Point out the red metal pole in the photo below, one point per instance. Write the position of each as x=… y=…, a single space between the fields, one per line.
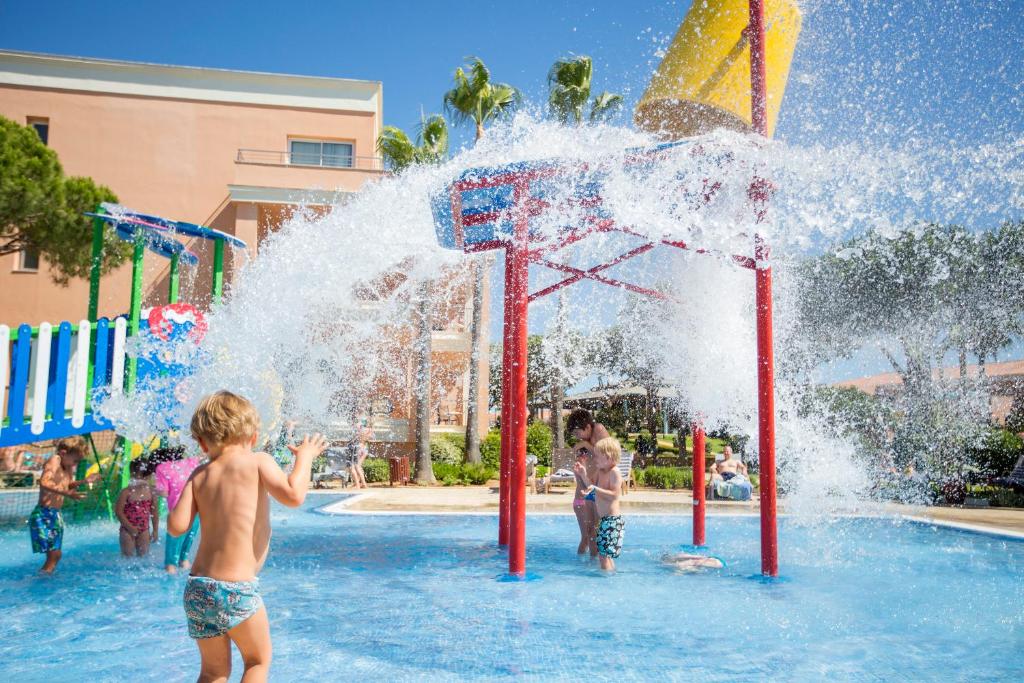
x=766 y=355
x=766 y=412
x=699 y=498
x=758 y=85
x=763 y=278
x=519 y=300
x=506 y=390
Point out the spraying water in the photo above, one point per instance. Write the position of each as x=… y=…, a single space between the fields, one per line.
x=322 y=321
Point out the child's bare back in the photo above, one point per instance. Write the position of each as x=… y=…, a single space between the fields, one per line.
x=231 y=496
x=234 y=515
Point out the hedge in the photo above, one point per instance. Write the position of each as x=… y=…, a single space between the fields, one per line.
x=465 y=473
x=375 y=469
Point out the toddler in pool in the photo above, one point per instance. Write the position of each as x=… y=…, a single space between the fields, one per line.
x=136 y=509
x=229 y=493
x=607 y=488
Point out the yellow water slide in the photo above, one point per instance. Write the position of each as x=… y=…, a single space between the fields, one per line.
x=703 y=82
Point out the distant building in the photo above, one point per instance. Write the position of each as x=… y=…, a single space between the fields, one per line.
x=235 y=150
x=1006 y=383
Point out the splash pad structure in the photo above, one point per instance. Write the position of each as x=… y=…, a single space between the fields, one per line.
x=496 y=208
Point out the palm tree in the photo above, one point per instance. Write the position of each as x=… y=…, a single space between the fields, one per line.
x=604 y=105
x=475 y=98
x=400 y=153
x=569 y=83
x=398 y=150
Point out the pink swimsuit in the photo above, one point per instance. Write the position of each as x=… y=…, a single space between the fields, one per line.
x=138 y=513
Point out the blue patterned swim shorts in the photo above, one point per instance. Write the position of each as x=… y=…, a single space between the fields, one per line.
x=46 y=527
x=609 y=535
x=215 y=607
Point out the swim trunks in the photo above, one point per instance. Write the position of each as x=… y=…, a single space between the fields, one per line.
x=46 y=527
x=215 y=607
x=609 y=535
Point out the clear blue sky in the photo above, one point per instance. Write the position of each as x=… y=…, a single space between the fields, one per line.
x=887 y=71
x=862 y=68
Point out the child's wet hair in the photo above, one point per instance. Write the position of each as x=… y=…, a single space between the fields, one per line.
x=223 y=418
x=609 y=447
x=72 y=444
x=139 y=468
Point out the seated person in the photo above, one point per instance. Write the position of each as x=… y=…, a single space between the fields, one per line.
x=727 y=467
x=729 y=478
x=685 y=562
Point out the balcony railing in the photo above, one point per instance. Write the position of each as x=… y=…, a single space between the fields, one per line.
x=306 y=159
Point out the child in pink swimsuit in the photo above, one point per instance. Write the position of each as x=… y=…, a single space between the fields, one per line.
x=171 y=477
x=136 y=509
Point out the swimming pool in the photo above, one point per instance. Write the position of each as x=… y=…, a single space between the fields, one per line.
x=415 y=597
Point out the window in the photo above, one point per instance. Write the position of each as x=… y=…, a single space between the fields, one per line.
x=42 y=127
x=28 y=260
x=320 y=153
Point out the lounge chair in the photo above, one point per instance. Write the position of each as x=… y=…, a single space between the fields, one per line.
x=1015 y=479
x=531 y=473
x=338 y=462
x=626 y=470
x=562 y=461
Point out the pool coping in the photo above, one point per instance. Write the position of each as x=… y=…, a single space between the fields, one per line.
x=340 y=508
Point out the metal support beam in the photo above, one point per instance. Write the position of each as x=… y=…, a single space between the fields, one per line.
x=763 y=288
x=699 y=496
x=518 y=295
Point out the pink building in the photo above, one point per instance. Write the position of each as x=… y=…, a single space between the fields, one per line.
x=234 y=150
x=230 y=149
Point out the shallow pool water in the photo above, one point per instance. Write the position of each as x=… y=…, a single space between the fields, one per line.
x=418 y=597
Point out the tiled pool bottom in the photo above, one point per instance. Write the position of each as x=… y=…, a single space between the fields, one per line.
x=418 y=598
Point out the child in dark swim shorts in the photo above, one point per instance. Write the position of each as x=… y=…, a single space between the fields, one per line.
x=608 y=488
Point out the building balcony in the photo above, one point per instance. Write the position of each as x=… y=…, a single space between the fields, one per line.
x=266 y=157
x=296 y=172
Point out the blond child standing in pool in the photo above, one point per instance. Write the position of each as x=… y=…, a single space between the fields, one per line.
x=607 y=487
x=230 y=495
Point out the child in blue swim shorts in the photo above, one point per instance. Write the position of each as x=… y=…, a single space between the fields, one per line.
x=229 y=494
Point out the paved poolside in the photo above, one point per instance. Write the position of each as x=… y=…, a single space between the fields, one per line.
x=485 y=499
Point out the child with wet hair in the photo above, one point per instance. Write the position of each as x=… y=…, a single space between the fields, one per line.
x=230 y=494
x=136 y=509
x=607 y=487
x=57 y=484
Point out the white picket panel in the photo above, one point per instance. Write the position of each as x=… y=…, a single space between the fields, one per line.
x=41 y=379
x=81 y=376
x=117 y=362
x=5 y=370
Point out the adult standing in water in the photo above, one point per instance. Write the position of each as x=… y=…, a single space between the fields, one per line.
x=587 y=432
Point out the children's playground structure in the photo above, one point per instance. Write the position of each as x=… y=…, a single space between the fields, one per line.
x=723 y=68
x=715 y=73
x=55 y=370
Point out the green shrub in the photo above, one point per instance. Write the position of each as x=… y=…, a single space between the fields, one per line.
x=999 y=452
x=463 y=474
x=375 y=469
x=457 y=438
x=997 y=496
x=538 y=442
x=665 y=477
x=638 y=477
x=444 y=451
x=490 y=449
x=646 y=445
